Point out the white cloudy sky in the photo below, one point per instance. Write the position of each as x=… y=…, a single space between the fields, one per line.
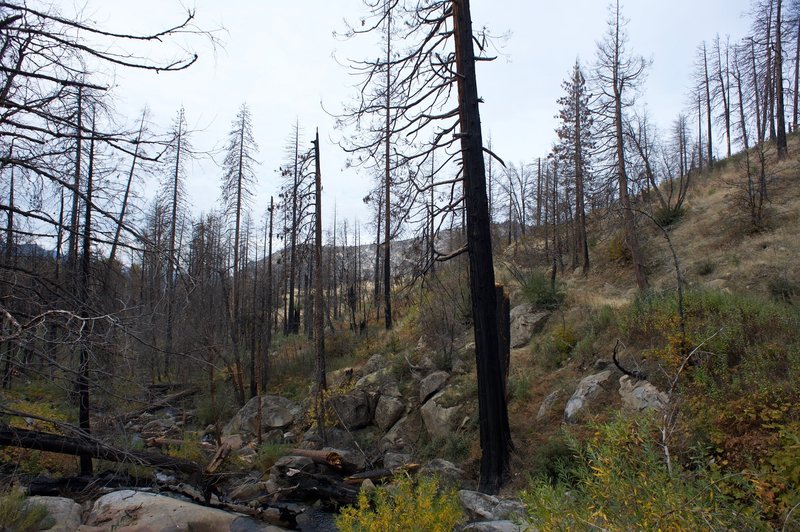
x=278 y=56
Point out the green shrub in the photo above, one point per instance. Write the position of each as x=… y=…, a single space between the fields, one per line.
x=268 y=454
x=540 y=292
x=18 y=516
x=404 y=505
x=603 y=319
x=454 y=447
x=555 y=460
x=784 y=290
x=564 y=338
x=220 y=409
x=621 y=483
x=519 y=386
x=706 y=267
x=669 y=216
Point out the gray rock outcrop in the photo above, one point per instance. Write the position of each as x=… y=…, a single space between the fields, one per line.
x=490 y=508
x=588 y=389
x=525 y=322
x=432 y=384
x=276 y=413
x=641 y=395
x=388 y=411
x=439 y=419
x=134 y=510
x=63 y=515
x=353 y=410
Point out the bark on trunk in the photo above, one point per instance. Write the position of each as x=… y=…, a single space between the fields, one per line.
x=495 y=434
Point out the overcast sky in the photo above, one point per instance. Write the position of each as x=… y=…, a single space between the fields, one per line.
x=278 y=56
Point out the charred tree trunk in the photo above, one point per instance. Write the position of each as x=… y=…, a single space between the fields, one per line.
x=780 y=139
x=495 y=434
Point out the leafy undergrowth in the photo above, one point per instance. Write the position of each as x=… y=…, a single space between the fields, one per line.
x=19 y=516
x=617 y=480
x=406 y=504
x=732 y=427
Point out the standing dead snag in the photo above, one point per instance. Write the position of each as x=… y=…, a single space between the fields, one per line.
x=319 y=327
x=495 y=433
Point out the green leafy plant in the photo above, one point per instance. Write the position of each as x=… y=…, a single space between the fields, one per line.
x=406 y=504
x=19 y=516
x=540 y=292
x=620 y=482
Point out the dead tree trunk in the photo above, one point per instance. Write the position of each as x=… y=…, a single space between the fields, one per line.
x=495 y=434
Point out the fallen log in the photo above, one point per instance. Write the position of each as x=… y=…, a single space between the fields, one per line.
x=219 y=457
x=282 y=515
x=158 y=405
x=379 y=474
x=160 y=441
x=311 y=487
x=332 y=459
x=55 y=443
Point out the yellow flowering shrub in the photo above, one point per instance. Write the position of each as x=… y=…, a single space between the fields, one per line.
x=406 y=504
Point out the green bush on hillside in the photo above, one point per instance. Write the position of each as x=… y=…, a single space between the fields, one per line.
x=619 y=481
x=406 y=504
x=540 y=292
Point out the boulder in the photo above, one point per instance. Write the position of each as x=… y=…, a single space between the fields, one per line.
x=494 y=526
x=388 y=411
x=395 y=460
x=375 y=363
x=341 y=439
x=353 y=410
x=439 y=419
x=641 y=395
x=588 y=389
x=63 y=515
x=432 y=384
x=276 y=413
x=382 y=381
x=488 y=507
x=448 y=473
x=160 y=428
x=139 y=511
x=525 y=322
x=404 y=435
x=547 y=404
x=342 y=378
x=287 y=467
